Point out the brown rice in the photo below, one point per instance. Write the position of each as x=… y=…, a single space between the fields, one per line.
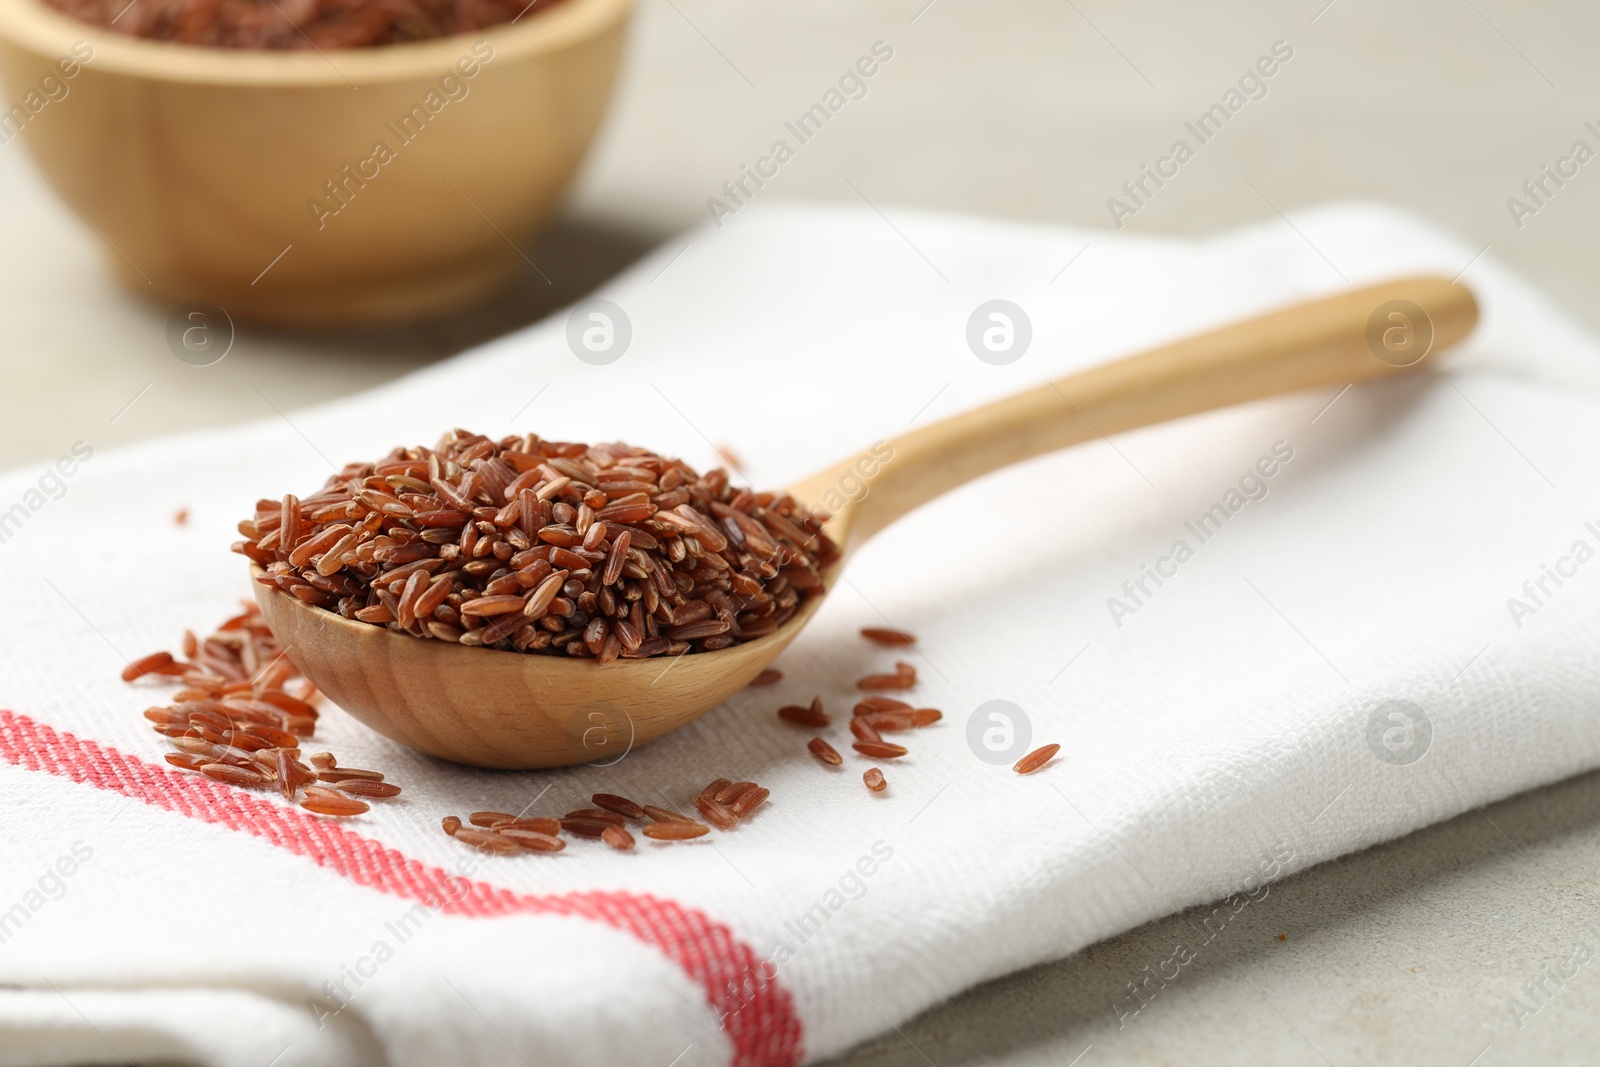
x=676 y=831
x=824 y=752
x=1036 y=759
x=319 y=24
x=881 y=636
x=811 y=715
x=527 y=545
x=904 y=677
x=235 y=722
x=621 y=805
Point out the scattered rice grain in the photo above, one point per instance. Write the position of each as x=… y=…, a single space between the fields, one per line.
x=880 y=749
x=585 y=827
x=486 y=840
x=366 y=787
x=621 y=805
x=665 y=814
x=487 y=819
x=733 y=789
x=1036 y=759
x=676 y=830
x=597 y=814
x=715 y=812
x=862 y=727
x=538 y=826
x=748 y=801
x=824 y=752
x=881 y=682
x=532 y=840
x=327 y=802
x=812 y=716
x=887 y=637
x=234 y=774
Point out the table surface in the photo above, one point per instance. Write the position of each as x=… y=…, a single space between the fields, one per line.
x=1026 y=109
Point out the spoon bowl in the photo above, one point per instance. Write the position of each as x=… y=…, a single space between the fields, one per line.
x=509 y=710
x=499 y=709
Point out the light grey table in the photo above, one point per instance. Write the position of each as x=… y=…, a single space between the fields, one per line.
x=1411 y=953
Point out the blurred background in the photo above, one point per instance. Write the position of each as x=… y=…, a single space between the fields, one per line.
x=1037 y=111
x=1022 y=109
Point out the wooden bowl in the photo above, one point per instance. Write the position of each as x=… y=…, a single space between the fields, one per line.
x=202 y=168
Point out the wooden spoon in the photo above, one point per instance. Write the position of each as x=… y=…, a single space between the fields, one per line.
x=504 y=709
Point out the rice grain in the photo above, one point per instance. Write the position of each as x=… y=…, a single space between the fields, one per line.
x=664 y=814
x=715 y=812
x=881 y=682
x=880 y=749
x=327 y=802
x=146 y=665
x=621 y=805
x=611 y=551
x=538 y=826
x=676 y=830
x=1036 y=759
x=366 y=787
x=824 y=752
x=532 y=840
x=486 y=840
x=596 y=814
x=811 y=716
x=748 y=801
x=487 y=819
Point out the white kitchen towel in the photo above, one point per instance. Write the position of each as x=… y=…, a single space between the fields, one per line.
x=1398 y=622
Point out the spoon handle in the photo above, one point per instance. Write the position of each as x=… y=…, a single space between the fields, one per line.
x=1335 y=341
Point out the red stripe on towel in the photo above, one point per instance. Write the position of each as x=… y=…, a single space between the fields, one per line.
x=760 y=1017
